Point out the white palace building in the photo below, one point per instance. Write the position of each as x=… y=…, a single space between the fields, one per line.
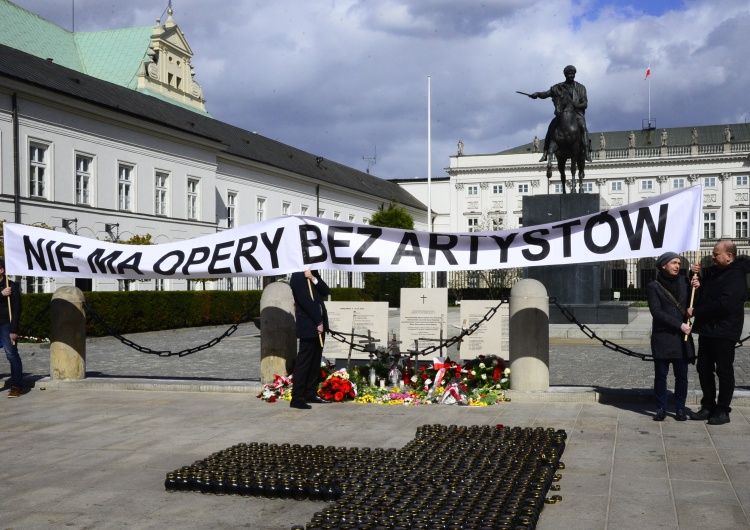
x=485 y=191
x=106 y=135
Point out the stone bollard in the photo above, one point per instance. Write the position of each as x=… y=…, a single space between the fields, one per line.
x=529 y=336
x=67 y=355
x=278 y=339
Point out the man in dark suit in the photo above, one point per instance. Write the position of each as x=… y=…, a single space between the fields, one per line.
x=308 y=289
x=719 y=317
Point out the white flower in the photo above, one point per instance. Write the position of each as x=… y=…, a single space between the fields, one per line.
x=506 y=371
x=473 y=372
x=414 y=379
x=484 y=377
x=494 y=362
x=504 y=380
x=428 y=382
x=482 y=366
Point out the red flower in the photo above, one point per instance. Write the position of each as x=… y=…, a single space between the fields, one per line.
x=352 y=394
x=272 y=399
x=338 y=396
x=496 y=373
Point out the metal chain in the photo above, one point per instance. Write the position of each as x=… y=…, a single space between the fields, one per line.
x=167 y=353
x=590 y=333
x=447 y=343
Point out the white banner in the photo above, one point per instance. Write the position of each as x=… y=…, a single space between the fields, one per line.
x=286 y=244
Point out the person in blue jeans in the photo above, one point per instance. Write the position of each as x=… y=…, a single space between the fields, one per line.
x=10 y=316
x=671 y=343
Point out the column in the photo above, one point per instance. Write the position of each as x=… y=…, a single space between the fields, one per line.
x=726 y=202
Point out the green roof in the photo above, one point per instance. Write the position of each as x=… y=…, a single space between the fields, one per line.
x=23 y=30
x=116 y=55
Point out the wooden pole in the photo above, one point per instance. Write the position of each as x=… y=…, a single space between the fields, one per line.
x=309 y=286
x=692 y=299
x=10 y=311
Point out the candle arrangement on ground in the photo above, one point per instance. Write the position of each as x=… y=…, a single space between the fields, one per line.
x=448 y=477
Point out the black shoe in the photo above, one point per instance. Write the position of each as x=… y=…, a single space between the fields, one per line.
x=720 y=418
x=660 y=415
x=317 y=399
x=680 y=415
x=302 y=406
x=702 y=415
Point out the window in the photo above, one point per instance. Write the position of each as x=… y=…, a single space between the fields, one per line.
x=285 y=207
x=497 y=223
x=260 y=210
x=497 y=189
x=587 y=187
x=647 y=185
x=126 y=181
x=523 y=188
x=231 y=209
x=740 y=224
x=158 y=284
x=123 y=285
x=473 y=224
x=472 y=190
x=192 y=198
x=615 y=185
x=678 y=183
x=557 y=188
x=709 y=225
x=709 y=182
x=740 y=180
x=303 y=210
x=160 y=201
x=37 y=170
x=84 y=165
x=34 y=284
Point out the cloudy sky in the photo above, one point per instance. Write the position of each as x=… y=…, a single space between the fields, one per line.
x=339 y=77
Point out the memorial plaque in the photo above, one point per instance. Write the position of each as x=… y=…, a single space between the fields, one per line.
x=364 y=316
x=491 y=338
x=424 y=315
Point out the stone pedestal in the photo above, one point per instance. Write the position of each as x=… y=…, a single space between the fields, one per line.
x=575 y=286
x=67 y=359
x=278 y=341
x=529 y=336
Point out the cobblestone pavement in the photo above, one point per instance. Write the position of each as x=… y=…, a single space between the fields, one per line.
x=576 y=361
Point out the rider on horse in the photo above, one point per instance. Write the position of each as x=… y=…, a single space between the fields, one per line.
x=577 y=93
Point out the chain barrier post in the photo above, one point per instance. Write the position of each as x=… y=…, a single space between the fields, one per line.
x=278 y=340
x=529 y=336
x=67 y=359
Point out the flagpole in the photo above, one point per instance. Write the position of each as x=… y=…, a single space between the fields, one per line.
x=429 y=173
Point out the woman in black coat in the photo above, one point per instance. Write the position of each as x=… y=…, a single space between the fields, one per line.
x=668 y=297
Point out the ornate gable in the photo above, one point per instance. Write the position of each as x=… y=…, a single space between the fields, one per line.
x=166 y=70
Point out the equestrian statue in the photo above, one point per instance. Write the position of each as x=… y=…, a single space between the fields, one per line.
x=567 y=136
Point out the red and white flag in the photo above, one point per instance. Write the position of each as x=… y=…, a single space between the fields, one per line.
x=648 y=73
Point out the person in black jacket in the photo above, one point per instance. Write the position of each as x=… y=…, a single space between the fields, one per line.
x=719 y=316
x=308 y=289
x=10 y=316
x=668 y=298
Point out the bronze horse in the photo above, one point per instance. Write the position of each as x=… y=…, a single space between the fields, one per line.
x=566 y=142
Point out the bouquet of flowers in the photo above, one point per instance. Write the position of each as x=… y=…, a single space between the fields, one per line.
x=281 y=388
x=486 y=372
x=337 y=387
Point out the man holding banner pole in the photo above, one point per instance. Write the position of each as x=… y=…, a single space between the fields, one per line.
x=719 y=317
x=10 y=316
x=308 y=289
